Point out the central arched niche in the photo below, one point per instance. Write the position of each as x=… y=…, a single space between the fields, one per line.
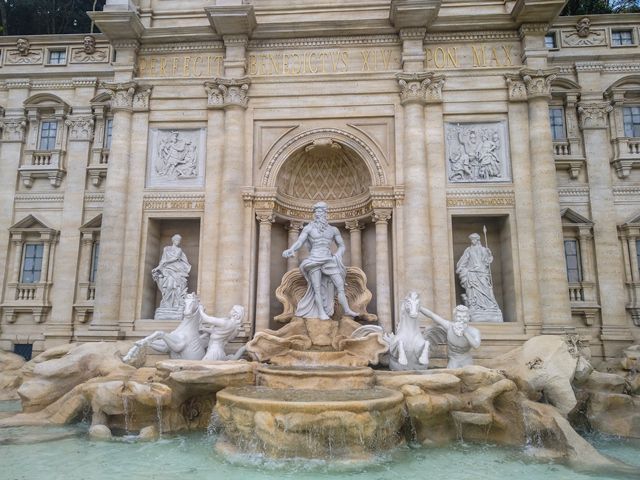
x=323 y=170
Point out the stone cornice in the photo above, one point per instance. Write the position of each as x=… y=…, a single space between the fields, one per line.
x=413 y=13
x=532 y=29
x=232 y=19
x=326 y=41
x=181 y=47
x=458 y=37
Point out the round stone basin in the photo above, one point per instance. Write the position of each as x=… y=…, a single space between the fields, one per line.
x=310 y=423
x=318 y=378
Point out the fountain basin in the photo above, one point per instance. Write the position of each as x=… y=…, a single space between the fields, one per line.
x=310 y=423
x=320 y=378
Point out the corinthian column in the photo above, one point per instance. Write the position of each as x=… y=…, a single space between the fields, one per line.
x=355 y=242
x=263 y=290
x=293 y=229
x=231 y=284
x=418 y=260
x=552 y=273
x=381 y=218
x=609 y=267
x=109 y=277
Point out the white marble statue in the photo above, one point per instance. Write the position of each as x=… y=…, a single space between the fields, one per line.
x=408 y=349
x=185 y=342
x=171 y=275
x=474 y=272
x=461 y=337
x=323 y=270
x=221 y=330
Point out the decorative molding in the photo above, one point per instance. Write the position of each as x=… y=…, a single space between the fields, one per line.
x=126 y=43
x=471 y=37
x=121 y=94
x=326 y=42
x=481 y=198
x=226 y=92
x=532 y=29
x=589 y=66
x=173 y=201
x=412 y=33
x=621 y=67
x=94 y=197
x=13 y=129
x=181 y=47
x=516 y=89
x=80 y=127
x=51 y=84
x=593 y=115
x=573 y=192
x=538 y=82
x=18 y=83
x=420 y=87
x=235 y=39
x=39 y=197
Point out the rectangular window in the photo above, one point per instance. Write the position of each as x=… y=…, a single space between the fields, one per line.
x=94 y=262
x=25 y=350
x=631 y=120
x=108 y=132
x=57 y=57
x=550 y=41
x=32 y=263
x=48 y=133
x=621 y=37
x=556 y=118
x=638 y=252
x=572 y=257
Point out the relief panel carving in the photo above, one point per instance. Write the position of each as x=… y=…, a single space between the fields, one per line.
x=176 y=158
x=477 y=152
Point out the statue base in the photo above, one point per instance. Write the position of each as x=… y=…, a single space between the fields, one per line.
x=486 y=316
x=164 y=313
x=311 y=341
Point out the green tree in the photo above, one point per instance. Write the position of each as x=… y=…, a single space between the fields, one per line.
x=37 y=17
x=594 y=7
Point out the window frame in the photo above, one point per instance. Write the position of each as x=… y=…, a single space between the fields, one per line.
x=95 y=257
x=578 y=256
x=43 y=122
x=64 y=56
x=630 y=107
x=554 y=36
x=613 y=31
x=564 y=122
x=32 y=270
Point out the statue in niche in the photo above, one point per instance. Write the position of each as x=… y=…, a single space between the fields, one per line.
x=177 y=157
x=171 y=275
x=460 y=336
x=323 y=270
x=474 y=272
x=475 y=153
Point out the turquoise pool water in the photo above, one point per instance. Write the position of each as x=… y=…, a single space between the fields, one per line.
x=65 y=453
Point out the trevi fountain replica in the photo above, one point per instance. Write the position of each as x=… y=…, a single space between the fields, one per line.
x=329 y=393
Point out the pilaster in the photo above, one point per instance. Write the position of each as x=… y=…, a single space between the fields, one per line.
x=263 y=290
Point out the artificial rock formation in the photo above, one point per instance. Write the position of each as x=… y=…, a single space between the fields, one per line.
x=10 y=375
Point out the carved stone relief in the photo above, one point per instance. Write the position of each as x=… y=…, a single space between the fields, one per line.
x=176 y=158
x=583 y=36
x=477 y=152
x=79 y=55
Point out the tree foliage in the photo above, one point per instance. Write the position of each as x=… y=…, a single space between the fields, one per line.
x=594 y=7
x=37 y=17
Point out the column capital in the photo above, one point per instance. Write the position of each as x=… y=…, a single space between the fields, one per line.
x=381 y=215
x=227 y=92
x=593 y=115
x=516 y=90
x=295 y=225
x=13 y=129
x=80 y=127
x=121 y=95
x=538 y=82
x=420 y=87
x=265 y=218
x=353 y=225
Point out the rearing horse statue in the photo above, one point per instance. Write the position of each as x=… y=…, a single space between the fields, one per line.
x=185 y=342
x=408 y=349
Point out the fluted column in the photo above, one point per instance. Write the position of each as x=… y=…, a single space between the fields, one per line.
x=418 y=260
x=609 y=267
x=552 y=273
x=107 y=304
x=231 y=95
x=293 y=230
x=381 y=218
x=62 y=295
x=263 y=290
x=355 y=242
